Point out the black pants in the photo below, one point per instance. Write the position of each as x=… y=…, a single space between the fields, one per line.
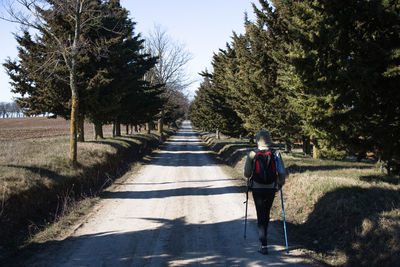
x=263 y=199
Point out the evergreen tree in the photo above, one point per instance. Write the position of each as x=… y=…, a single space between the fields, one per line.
x=202 y=111
x=176 y=108
x=343 y=60
x=119 y=92
x=224 y=101
x=30 y=78
x=307 y=69
x=211 y=109
x=259 y=101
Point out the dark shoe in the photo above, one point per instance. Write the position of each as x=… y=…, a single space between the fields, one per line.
x=263 y=250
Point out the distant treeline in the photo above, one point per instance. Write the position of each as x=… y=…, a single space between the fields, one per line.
x=326 y=72
x=11 y=110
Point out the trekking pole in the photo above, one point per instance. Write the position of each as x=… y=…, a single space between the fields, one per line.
x=284 y=222
x=245 y=215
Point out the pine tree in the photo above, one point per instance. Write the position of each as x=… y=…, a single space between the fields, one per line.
x=200 y=112
x=119 y=92
x=343 y=61
x=223 y=99
x=39 y=94
x=370 y=70
x=176 y=108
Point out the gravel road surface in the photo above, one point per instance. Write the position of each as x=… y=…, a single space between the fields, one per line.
x=181 y=209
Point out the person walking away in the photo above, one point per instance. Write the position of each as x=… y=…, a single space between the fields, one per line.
x=263 y=182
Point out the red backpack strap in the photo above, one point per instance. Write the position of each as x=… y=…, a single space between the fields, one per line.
x=272 y=153
x=257 y=164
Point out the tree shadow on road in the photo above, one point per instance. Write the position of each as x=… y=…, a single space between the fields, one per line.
x=182 y=159
x=169 y=242
x=180 y=141
x=182 y=155
x=181 y=182
x=182 y=147
x=175 y=192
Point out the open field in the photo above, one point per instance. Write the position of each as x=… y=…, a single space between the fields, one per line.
x=343 y=213
x=40 y=127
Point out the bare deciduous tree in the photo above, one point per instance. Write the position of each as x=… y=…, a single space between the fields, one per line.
x=170 y=68
x=3 y=109
x=9 y=110
x=81 y=14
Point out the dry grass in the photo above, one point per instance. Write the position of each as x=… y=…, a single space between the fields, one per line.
x=26 y=163
x=342 y=213
x=37 y=184
x=34 y=151
x=345 y=213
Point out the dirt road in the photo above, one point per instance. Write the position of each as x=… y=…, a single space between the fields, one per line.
x=181 y=209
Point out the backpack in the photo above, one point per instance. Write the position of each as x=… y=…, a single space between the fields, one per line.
x=265 y=167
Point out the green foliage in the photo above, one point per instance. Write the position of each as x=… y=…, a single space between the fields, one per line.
x=342 y=72
x=333 y=154
x=326 y=69
x=211 y=109
x=29 y=78
x=202 y=111
x=245 y=77
x=110 y=70
x=176 y=107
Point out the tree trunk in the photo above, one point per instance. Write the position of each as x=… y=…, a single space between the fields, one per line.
x=98 y=130
x=148 y=127
x=384 y=165
x=251 y=139
x=306 y=145
x=73 y=146
x=361 y=155
x=288 y=146
x=388 y=165
x=73 y=151
x=316 y=148
x=81 y=129
x=127 y=129
x=161 y=125
x=217 y=135
x=117 y=128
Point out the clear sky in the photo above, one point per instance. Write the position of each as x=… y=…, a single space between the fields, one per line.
x=202 y=26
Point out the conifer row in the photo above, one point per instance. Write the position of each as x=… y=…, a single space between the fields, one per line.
x=325 y=71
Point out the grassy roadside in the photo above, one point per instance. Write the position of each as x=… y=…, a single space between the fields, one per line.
x=38 y=189
x=342 y=213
